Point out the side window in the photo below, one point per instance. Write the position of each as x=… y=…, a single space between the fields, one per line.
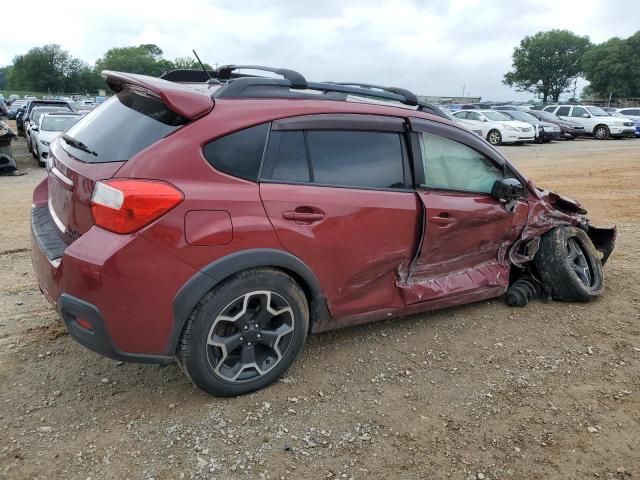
x=238 y=153
x=286 y=158
x=578 y=111
x=473 y=116
x=461 y=114
x=451 y=165
x=356 y=159
x=563 y=112
x=549 y=109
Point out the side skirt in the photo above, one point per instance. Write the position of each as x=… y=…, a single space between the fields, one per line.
x=461 y=299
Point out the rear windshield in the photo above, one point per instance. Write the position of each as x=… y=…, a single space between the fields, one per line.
x=59 y=123
x=121 y=127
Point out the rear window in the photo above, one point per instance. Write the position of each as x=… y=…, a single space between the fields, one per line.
x=123 y=126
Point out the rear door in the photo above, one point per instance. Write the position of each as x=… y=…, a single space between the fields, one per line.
x=337 y=189
x=467 y=232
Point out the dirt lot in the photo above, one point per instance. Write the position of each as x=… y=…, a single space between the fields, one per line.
x=477 y=392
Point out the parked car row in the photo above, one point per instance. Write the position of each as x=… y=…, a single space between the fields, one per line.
x=556 y=121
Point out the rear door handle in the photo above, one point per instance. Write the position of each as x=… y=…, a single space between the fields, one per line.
x=443 y=220
x=303 y=216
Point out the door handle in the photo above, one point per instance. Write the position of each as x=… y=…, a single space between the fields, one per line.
x=443 y=220
x=305 y=217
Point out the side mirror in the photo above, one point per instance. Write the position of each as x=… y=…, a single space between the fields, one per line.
x=34 y=128
x=507 y=189
x=586 y=115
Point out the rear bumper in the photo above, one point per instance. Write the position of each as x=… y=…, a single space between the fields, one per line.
x=104 y=278
x=87 y=327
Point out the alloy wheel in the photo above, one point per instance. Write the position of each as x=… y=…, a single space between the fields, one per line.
x=579 y=262
x=494 y=138
x=250 y=336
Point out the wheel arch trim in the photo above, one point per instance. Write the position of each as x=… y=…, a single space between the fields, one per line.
x=211 y=275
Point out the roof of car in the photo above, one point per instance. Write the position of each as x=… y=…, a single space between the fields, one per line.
x=63 y=114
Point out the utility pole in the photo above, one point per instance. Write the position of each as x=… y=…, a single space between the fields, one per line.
x=463 y=87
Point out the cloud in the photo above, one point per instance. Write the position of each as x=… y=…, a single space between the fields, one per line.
x=433 y=48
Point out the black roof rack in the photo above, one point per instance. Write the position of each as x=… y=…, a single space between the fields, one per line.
x=410 y=97
x=293 y=85
x=295 y=79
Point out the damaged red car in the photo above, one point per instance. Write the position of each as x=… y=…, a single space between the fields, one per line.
x=217 y=218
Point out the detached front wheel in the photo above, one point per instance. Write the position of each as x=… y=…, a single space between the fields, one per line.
x=569 y=265
x=245 y=333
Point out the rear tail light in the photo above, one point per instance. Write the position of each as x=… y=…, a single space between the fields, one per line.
x=126 y=205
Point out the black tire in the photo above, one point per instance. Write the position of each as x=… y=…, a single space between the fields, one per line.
x=40 y=162
x=30 y=149
x=208 y=366
x=568 y=264
x=601 y=132
x=494 y=137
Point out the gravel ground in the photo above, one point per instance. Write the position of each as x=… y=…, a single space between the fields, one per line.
x=482 y=391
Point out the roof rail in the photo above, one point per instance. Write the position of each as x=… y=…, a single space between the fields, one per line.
x=410 y=97
x=293 y=85
x=296 y=79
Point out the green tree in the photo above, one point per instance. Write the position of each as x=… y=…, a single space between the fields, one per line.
x=144 y=59
x=547 y=63
x=51 y=69
x=4 y=77
x=613 y=67
x=188 y=63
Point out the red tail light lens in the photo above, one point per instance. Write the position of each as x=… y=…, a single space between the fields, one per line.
x=125 y=206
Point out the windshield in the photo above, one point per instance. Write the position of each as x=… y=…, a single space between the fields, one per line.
x=522 y=116
x=59 y=124
x=495 y=116
x=547 y=115
x=598 y=112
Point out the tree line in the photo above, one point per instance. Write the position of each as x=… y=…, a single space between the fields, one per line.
x=547 y=64
x=50 y=68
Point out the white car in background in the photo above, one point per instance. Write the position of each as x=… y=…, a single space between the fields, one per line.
x=595 y=120
x=453 y=118
x=632 y=113
x=497 y=127
x=50 y=126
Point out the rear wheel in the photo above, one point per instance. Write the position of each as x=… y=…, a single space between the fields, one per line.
x=494 y=137
x=245 y=332
x=601 y=132
x=569 y=266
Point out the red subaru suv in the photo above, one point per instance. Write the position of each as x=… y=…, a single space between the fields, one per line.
x=218 y=223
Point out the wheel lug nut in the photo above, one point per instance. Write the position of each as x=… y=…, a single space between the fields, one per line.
x=242 y=339
x=259 y=336
x=245 y=328
x=249 y=344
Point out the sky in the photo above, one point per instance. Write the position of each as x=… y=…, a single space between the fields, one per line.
x=430 y=47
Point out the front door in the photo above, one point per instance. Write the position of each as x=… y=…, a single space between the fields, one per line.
x=467 y=232
x=337 y=192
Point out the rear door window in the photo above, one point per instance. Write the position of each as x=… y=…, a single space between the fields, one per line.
x=121 y=127
x=563 y=112
x=356 y=159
